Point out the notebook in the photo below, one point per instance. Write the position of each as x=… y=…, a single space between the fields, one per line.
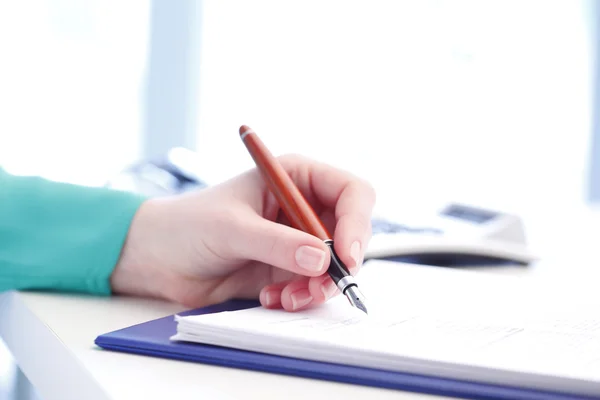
x=429 y=329
x=457 y=325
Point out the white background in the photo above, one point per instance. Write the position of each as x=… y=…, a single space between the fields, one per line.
x=480 y=101
x=70 y=84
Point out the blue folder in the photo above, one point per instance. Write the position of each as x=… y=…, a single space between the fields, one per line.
x=152 y=339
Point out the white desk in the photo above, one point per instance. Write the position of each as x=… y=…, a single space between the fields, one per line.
x=51 y=337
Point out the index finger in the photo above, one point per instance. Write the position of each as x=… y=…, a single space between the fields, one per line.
x=352 y=200
x=353 y=213
x=325 y=183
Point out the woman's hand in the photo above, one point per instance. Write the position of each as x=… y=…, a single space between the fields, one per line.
x=233 y=241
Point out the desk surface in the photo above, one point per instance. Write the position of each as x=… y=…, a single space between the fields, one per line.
x=51 y=337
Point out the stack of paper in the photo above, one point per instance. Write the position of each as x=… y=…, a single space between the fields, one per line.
x=431 y=321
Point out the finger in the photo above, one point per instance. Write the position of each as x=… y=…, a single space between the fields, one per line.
x=299 y=294
x=322 y=288
x=281 y=246
x=329 y=221
x=296 y=296
x=351 y=238
x=291 y=295
x=248 y=282
x=324 y=183
x=353 y=200
x=328 y=218
x=270 y=295
x=353 y=228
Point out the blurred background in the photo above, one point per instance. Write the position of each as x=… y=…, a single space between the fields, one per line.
x=488 y=102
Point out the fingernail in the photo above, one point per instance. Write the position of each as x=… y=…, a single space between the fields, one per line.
x=272 y=297
x=300 y=298
x=328 y=288
x=355 y=252
x=310 y=258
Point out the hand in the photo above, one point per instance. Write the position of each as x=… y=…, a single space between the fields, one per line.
x=233 y=241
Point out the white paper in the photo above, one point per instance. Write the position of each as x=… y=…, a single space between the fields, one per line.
x=485 y=338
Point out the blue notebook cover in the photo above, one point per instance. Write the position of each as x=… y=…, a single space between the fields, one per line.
x=152 y=339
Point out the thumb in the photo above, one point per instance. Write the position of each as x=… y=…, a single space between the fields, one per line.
x=282 y=247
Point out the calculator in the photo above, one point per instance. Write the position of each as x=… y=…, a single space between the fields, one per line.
x=455 y=235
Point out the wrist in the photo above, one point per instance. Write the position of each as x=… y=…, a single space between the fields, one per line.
x=136 y=273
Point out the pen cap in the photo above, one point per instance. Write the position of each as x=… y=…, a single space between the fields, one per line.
x=294 y=205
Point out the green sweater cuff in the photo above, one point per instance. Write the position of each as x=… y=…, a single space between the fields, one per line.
x=61 y=237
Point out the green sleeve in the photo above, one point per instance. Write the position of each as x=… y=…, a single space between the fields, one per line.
x=61 y=237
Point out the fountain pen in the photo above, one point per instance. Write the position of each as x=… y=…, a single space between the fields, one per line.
x=300 y=213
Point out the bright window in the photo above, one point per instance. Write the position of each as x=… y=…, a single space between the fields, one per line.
x=485 y=102
x=70 y=80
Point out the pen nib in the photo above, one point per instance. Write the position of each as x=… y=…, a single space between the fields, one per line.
x=356 y=298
